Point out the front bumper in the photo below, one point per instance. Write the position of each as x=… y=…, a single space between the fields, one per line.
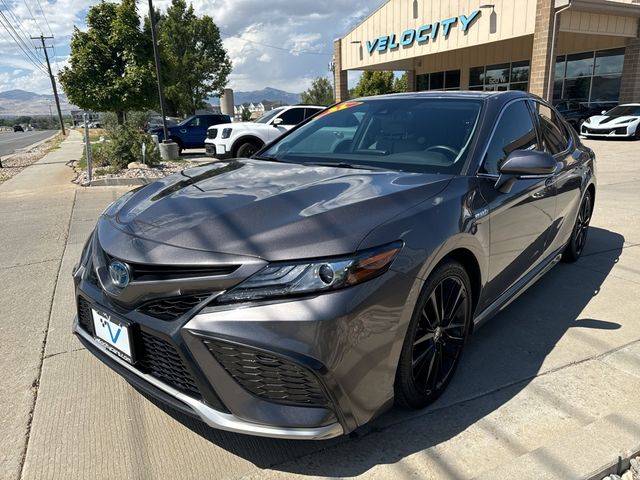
x=217 y=151
x=348 y=340
x=622 y=131
x=188 y=405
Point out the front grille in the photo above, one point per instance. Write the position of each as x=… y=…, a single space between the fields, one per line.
x=172 y=308
x=268 y=376
x=145 y=272
x=155 y=356
x=162 y=361
x=212 y=133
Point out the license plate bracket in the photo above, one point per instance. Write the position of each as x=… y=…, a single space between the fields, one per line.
x=113 y=333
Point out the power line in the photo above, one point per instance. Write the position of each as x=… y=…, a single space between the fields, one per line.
x=31 y=13
x=55 y=55
x=17 y=22
x=302 y=52
x=31 y=57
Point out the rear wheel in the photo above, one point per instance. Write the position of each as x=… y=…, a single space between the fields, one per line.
x=435 y=338
x=579 y=235
x=248 y=149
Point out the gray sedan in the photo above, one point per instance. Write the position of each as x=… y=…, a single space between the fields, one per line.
x=303 y=291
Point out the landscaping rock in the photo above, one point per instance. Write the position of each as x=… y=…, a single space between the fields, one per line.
x=134 y=165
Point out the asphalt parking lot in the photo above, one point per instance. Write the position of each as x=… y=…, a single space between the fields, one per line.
x=547 y=389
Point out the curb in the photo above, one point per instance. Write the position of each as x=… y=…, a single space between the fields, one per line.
x=120 y=182
x=616 y=467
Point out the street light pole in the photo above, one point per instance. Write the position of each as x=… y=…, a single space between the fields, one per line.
x=156 y=56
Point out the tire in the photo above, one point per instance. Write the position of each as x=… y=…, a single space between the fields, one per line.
x=637 y=134
x=247 y=149
x=578 y=239
x=434 y=342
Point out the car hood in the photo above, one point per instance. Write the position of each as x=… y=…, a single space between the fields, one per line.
x=269 y=210
x=241 y=126
x=610 y=121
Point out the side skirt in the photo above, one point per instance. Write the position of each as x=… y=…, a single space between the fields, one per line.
x=518 y=288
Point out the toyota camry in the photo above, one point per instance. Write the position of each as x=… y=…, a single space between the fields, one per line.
x=303 y=291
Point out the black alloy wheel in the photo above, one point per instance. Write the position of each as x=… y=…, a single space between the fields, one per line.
x=247 y=150
x=436 y=337
x=578 y=238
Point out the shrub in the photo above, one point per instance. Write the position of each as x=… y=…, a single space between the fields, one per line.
x=124 y=146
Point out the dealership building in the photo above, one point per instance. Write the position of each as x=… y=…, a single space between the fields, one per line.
x=578 y=50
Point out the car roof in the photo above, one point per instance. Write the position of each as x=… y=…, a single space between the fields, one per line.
x=466 y=94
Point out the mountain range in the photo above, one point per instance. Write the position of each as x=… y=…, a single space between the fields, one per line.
x=256 y=96
x=21 y=102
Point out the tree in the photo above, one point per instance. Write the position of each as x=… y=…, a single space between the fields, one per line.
x=245 y=115
x=374 y=83
x=111 y=67
x=194 y=61
x=320 y=93
x=400 y=84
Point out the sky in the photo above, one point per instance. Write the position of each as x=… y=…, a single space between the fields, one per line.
x=303 y=31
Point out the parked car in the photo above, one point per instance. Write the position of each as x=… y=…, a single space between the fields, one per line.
x=155 y=123
x=18 y=128
x=620 y=121
x=243 y=139
x=575 y=113
x=191 y=133
x=297 y=293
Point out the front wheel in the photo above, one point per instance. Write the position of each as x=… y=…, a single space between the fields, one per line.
x=248 y=149
x=578 y=238
x=435 y=338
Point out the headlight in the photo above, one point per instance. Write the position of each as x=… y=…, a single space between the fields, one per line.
x=226 y=132
x=285 y=279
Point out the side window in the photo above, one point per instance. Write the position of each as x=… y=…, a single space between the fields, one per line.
x=310 y=112
x=195 y=122
x=514 y=131
x=555 y=138
x=293 y=116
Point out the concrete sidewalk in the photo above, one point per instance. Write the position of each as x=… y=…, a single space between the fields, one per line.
x=548 y=389
x=35 y=208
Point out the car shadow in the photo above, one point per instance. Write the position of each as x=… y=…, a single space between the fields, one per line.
x=500 y=361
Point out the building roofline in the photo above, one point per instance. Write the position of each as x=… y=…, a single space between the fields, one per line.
x=610 y=7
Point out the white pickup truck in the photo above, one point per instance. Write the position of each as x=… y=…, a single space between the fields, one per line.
x=243 y=139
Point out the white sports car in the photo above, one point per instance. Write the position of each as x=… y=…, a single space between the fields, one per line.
x=621 y=121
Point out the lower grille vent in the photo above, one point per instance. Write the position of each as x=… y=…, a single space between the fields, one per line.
x=268 y=376
x=172 y=308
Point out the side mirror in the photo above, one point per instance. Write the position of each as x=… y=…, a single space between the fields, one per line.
x=523 y=164
x=603 y=112
x=277 y=121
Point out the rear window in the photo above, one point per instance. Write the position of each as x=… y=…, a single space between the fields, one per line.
x=430 y=135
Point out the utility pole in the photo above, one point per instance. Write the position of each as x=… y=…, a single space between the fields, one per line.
x=53 y=80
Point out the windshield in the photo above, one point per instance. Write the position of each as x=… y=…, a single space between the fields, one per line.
x=430 y=135
x=186 y=121
x=268 y=115
x=624 y=111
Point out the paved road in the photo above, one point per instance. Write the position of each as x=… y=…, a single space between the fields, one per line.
x=548 y=389
x=12 y=141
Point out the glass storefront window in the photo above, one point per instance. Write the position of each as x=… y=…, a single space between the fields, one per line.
x=519 y=72
x=559 y=68
x=579 y=65
x=452 y=79
x=476 y=77
x=422 y=82
x=449 y=80
x=606 y=88
x=497 y=74
x=436 y=81
x=589 y=77
x=609 y=61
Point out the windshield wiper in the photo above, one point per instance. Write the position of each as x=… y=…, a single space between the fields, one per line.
x=354 y=166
